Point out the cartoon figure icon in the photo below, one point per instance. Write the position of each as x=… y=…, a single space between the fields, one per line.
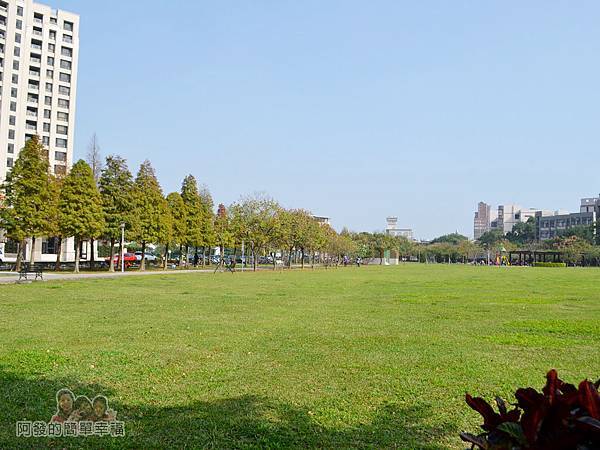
x=101 y=411
x=64 y=405
x=82 y=410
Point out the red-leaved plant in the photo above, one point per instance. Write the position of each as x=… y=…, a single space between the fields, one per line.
x=561 y=417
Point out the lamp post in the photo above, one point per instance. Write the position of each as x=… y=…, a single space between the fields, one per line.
x=122 y=247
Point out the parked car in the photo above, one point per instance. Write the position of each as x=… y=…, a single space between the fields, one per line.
x=148 y=256
x=128 y=258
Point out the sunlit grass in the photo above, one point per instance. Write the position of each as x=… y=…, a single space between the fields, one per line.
x=370 y=357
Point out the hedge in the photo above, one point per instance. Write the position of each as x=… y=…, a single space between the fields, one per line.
x=549 y=264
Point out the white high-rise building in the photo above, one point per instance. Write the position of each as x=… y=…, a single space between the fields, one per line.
x=39 y=49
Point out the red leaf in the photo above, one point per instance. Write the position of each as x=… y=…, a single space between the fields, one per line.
x=589 y=399
x=552 y=385
x=534 y=407
x=490 y=418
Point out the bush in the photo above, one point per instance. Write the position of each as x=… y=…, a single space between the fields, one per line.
x=560 y=417
x=549 y=264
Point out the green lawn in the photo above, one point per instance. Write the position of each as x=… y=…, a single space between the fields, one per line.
x=372 y=357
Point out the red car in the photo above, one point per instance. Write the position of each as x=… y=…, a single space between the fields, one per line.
x=129 y=259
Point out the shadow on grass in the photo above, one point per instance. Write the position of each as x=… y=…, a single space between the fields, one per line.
x=239 y=422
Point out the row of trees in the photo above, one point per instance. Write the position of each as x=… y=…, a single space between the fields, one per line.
x=91 y=206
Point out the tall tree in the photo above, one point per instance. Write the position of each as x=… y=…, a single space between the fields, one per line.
x=94 y=157
x=254 y=220
x=116 y=189
x=80 y=207
x=53 y=229
x=179 y=222
x=27 y=195
x=223 y=232
x=207 y=234
x=152 y=218
x=194 y=213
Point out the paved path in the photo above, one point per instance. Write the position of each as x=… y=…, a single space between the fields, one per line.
x=12 y=277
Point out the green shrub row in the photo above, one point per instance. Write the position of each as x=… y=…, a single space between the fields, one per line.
x=549 y=264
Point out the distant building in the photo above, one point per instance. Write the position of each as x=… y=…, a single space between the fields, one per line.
x=393 y=230
x=510 y=215
x=483 y=220
x=549 y=227
x=590 y=205
x=322 y=220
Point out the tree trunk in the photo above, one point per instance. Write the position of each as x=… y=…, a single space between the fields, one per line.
x=91 y=253
x=302 y=256
x=203 y=256
x=20 y=250
x=32 y=254
x=253 y=258
x=143 y=261
x=58 y=255
x=76 y=255
x=166 y=261
x=381 y=258
x=180 y=254
x=312 y=265
x=111 y=266
x=221 y=254
x=187 y=252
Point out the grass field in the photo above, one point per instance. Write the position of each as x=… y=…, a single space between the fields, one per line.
x=371 y=357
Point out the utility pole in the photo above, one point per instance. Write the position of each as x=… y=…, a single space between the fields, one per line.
x=122 y=247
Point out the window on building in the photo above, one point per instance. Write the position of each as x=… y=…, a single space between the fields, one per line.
x=66 y=51
x=62 y=103
x=64 y=90
x=48 y=87
x=46 y=127
x=17 y=52
x=63 y=116
x=19 y=24
x=65 y=64
x=15 y=65
x=50 y=73
x=47 y=114
x=60 y=170
x=50 y=246
x=53 y=20
x=46 y=140
x=20 y=11
x=12 y=120
x=62 y=129
x=51 y=61
x=52 y=35
x=11 y=148
x=13 y=106
x=13 y=92
x=11 y=134
x=68 y=39
x=65 y=77
x=9 y=162
x=48 y=101
x=15 y=79
x=60 y=156
x=68 y=26
x=18 y=38
x=51 y=48
x=61 y=143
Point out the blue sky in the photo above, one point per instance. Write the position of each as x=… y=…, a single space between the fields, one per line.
x=352 y=109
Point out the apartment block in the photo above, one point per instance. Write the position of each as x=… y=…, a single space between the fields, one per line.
x=39 y=50
x=483 y=220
